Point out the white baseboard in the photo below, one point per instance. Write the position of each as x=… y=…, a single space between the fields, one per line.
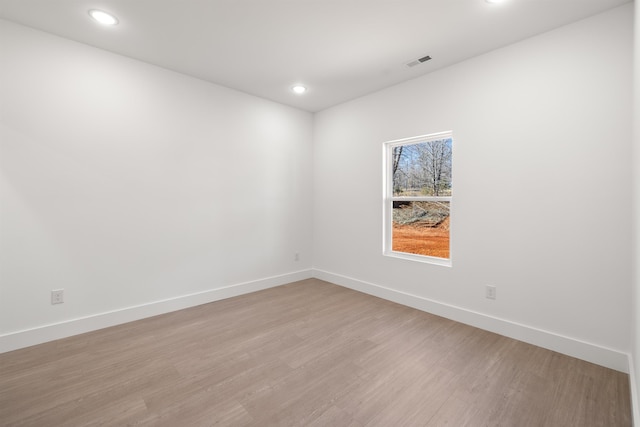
x=39 y=335
x=582 y=350
x=593 y=353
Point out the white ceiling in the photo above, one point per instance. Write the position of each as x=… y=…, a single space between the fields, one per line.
x=339 y=49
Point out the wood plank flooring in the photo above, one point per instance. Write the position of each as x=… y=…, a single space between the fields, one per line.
x=305 y=354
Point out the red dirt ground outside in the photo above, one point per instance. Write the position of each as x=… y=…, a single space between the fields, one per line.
x=416 y=239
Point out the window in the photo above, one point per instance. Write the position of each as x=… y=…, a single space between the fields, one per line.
x=417 y=198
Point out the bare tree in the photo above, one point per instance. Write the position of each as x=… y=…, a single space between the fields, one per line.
x=397 y=155
x=435 y=158
x=424 y=167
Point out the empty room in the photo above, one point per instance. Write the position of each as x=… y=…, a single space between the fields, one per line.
x=319 y=213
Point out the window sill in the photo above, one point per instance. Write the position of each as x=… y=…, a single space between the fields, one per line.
x=419 y=258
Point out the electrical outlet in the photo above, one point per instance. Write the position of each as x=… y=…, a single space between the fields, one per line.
x=296 y=256
x=490 y=292
x=57 y=296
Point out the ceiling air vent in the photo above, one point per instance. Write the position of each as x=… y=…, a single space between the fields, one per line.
x=418 y=61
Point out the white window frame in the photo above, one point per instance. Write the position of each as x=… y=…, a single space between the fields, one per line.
x=388 y=199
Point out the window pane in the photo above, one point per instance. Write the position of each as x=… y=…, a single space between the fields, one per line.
x=422 y=169
x=421 y=228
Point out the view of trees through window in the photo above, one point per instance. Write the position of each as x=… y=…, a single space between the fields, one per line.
x=422 y=190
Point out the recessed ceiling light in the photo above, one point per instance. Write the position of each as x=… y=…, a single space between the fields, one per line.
x=103 y=17
x=495 y=1
x=299 y=89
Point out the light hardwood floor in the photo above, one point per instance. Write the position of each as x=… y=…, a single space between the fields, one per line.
x=306 y=354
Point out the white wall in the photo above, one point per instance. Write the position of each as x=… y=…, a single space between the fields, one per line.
x=635 y=339
x=127 y=184
x=542 y=179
